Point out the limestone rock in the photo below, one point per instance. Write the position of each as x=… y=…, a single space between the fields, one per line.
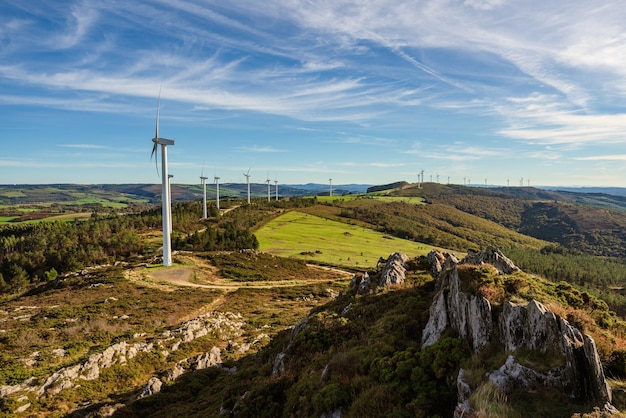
x=531 y=328
x=278 y=368
x=175 y=373
x=360 y=283
x=469 y=315
x=491 y=256
x=394 y=270
x=435 y=259
x=154 y=386
x=212 y=358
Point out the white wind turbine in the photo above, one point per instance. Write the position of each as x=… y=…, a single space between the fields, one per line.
x=248 y=181
x=165 y=191
x=330 y=181
x=276 y=184
x=216 y=179
x=203 y=179
x=268 y=181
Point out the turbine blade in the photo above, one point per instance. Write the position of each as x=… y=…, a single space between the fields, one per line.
x=156 y=157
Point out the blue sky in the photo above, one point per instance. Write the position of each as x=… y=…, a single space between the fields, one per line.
x=303 y=91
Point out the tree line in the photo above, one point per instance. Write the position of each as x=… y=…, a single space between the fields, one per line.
x=36 y=252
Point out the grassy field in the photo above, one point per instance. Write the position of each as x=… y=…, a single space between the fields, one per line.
x=373 y=197
x=309 y=237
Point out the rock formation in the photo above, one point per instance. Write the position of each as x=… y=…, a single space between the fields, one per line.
x=224 y=325
x=394 y=270
x=491 y=256
x=530 y=327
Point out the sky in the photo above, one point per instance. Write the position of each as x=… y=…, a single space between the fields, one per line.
x=301 y=91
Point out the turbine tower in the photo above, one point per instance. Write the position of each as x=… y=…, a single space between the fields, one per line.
x=276 y=184
x=169 y=207
x=165 y=191
x=203 y=179
x=248 y=181
x=268 y=181
x=330 y=181
x=217 y=191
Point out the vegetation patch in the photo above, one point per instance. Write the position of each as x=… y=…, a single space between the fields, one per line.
x=296 y=234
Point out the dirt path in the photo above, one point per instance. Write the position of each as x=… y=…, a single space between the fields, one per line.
x=197 y=272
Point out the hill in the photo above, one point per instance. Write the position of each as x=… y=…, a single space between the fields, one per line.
x=91 y=324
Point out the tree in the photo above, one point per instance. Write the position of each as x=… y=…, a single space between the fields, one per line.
x=50 y=275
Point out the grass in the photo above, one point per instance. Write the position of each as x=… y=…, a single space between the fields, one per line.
x=375 y=197
x=305 y=236
x=63 y=217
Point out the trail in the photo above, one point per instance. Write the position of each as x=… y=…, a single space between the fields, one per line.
x=200 y=274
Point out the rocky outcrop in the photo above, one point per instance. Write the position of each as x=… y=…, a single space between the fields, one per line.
x=491 y=256
x=152 y=387
x=575 y=366
x=469 y=315
x=394 y=270
x=222 y=325
x=360 y=283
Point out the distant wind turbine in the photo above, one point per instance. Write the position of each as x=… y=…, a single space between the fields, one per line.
x=166 y=203
x=276 y=184
x=268 y=181
x=217 y=191
x=437 y=177
x=248 y=181
x=203 y=179
x=330 y=181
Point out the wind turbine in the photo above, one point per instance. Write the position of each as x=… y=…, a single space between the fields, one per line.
x=330 y=181
x=166 y=203
x=248 y=181
x=217 y=191
x=268 y=181
x=276 y=184
x=203 y=181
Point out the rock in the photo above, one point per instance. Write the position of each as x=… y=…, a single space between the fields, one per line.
x=278 y=368
x=334 y=414
x=23 y=408
x=152 y=387
x=435 y=259
x=175 y=373
x=530 y=328
x=394 y=270
x=469 y=315
x=360 y=283
x=212 y=358
x=59 y=352
x=491 y=256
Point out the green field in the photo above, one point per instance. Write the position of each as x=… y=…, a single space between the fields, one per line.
x=309 y=237
x=372 y=197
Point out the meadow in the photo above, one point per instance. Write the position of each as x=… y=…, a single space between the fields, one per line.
x=324 y=241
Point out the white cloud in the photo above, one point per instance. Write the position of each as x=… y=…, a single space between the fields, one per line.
x=618 y=157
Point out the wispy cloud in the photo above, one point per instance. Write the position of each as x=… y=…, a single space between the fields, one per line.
x=620 y=157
